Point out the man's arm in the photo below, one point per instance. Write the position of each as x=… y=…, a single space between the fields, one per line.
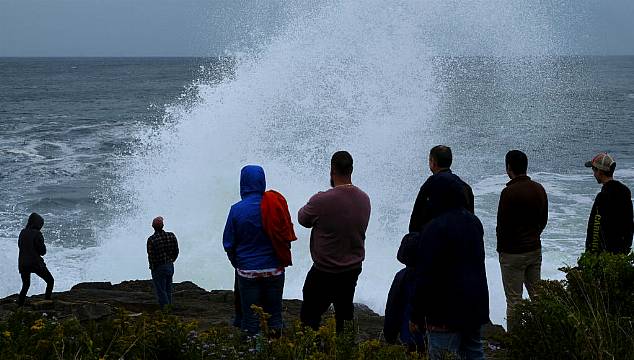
x=150 y=251
x=39 y=244
x=417 y=219
x=500 y=229
x=544 y=214
x=175 y=250
x=593 y=236
x=308 y=215
x=470 y=199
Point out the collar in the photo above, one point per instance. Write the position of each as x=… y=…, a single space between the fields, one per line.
x=518 y=179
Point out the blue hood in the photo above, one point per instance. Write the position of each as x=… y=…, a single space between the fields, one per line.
x=252 y=180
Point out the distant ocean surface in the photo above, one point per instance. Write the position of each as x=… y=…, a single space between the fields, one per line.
x=71 y=127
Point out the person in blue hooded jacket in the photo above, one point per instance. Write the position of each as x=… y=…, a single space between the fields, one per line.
x=260 y=277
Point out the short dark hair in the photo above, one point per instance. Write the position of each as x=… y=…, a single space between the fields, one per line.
x=341 y=163
x=517 y=161
x=442 y=155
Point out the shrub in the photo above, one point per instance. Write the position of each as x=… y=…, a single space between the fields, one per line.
x=28 y=335
x=587 y=316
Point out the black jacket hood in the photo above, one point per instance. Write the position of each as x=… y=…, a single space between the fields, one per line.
x=35 y=222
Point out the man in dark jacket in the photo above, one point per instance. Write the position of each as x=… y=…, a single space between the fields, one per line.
x=522 y=216
x=162 y=251
x=610 y=226
x=32 y=248
x=259 y=274
x=451 y=299
x=440 y=160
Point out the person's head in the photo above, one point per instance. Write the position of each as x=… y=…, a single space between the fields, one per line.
x=157 y=223
x=516 y=163
x=252 y=180
x=340 y=168
x=603 y=166
x=35 y=221
x=440 y=158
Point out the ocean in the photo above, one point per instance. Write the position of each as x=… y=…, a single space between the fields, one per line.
x=99 y=146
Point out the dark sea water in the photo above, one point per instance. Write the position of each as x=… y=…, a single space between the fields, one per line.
x=70 y=128
x=63 y=124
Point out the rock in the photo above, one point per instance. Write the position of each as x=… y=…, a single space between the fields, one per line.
x=93 y=285
x=93 y=301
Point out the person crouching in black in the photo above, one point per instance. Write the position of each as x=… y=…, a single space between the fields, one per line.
x=32 y=248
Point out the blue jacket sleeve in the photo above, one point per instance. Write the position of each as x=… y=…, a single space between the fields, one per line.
x=228 y=238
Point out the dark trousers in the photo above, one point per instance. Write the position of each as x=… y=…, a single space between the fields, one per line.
x=237 y=304
x=265 y=292
x=162 y=279
x=26 y=282
x=322 y=289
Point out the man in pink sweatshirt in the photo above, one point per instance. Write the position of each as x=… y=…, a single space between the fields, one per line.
x=338 y=218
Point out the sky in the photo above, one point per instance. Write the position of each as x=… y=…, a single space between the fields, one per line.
x=213 y=27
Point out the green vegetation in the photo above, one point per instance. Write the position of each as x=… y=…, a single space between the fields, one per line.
x=590 y=315
x=27 y=335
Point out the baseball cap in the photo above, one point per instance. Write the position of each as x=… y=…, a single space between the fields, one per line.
x=602 y=161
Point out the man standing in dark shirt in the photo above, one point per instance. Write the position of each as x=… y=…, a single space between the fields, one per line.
x=440 y=160
x=522 y=216
x=610 y=227
x=162 y=251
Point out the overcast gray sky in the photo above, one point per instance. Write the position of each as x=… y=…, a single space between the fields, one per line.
x=209 y=27
x=131 y=27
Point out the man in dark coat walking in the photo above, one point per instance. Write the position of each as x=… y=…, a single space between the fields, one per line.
x=32 y=248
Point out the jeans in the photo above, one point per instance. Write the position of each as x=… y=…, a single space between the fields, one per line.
x=237 y=304
x=162 y=280
x=265 y=292
x=322 y=289
x=519 y=270
x=43 y=273
x=465 y=345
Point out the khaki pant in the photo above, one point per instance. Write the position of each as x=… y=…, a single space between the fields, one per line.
x=519 y=270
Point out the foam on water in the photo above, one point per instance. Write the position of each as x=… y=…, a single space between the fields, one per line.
x=354 y=76
x=288 y=109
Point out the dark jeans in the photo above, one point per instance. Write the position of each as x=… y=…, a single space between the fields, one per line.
x=237 y=304
x=464 y=345
x=26 y=282
x=322 y=289
x=265 y=292
x=162 y=280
